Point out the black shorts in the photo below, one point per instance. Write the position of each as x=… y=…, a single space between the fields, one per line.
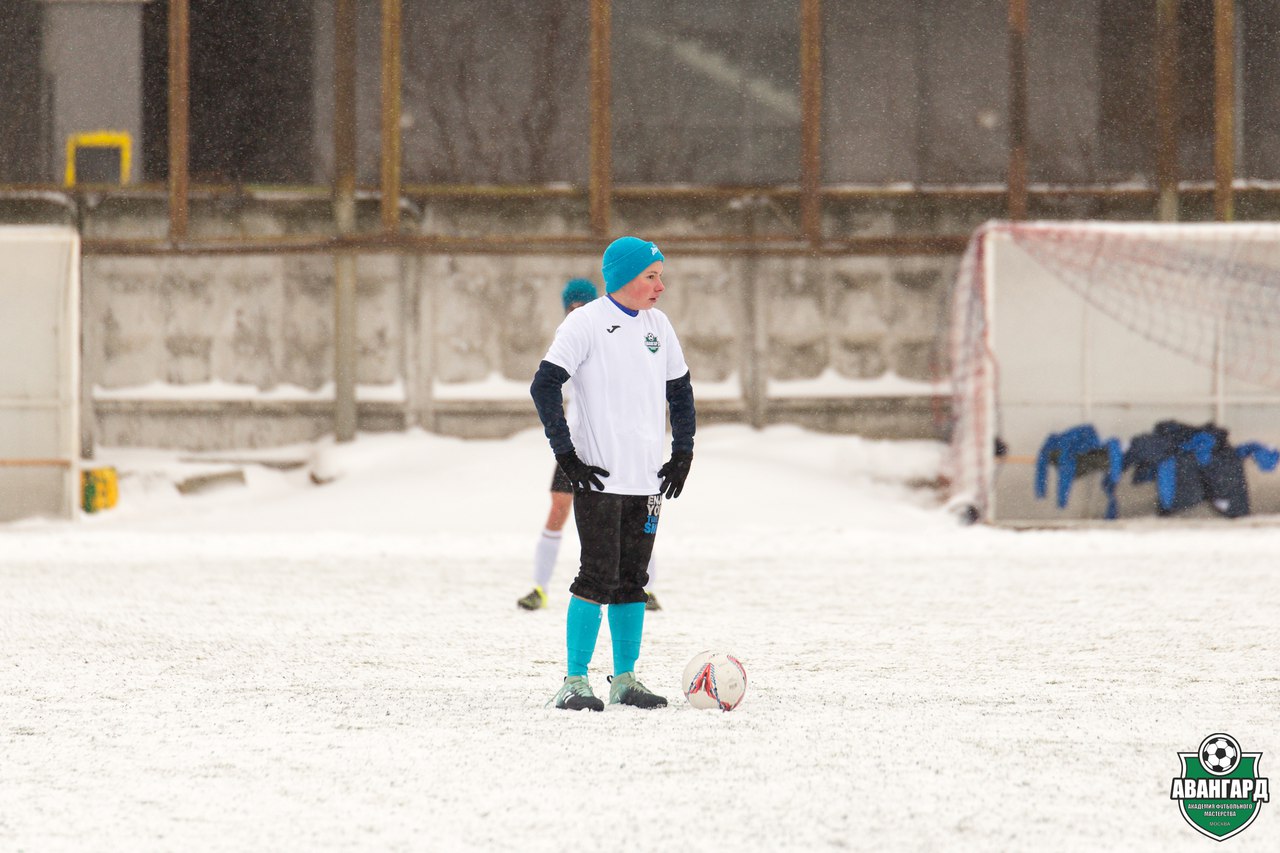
x=617 y=534
x=560 y=482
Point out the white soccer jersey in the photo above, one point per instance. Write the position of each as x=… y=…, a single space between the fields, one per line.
x=618 y=368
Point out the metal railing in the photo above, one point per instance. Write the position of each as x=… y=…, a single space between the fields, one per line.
x=601 y=190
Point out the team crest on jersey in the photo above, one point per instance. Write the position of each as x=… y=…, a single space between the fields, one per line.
x=651 y=341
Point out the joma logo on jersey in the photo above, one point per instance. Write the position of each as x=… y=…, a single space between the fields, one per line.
x=1220 y=792
x=651 y=341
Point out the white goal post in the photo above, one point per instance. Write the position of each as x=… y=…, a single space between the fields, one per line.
x=1119 y=326
x=39 y=371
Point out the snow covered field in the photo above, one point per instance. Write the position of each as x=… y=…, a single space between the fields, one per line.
x=285 y=666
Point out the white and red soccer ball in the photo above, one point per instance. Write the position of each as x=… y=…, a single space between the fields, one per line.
x=715 y=680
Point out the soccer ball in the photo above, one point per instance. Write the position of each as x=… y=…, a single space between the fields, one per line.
x=1219 y=754
x=715 y=680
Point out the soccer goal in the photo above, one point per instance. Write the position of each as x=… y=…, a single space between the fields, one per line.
x=1117 y=326
x=39 y=371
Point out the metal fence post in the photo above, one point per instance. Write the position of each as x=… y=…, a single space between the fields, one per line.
x=344 y=213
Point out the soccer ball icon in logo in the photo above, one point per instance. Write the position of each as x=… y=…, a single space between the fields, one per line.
x=714 y=680
x=1219 y=754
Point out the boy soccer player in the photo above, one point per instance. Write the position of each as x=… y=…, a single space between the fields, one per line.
x=624 y=365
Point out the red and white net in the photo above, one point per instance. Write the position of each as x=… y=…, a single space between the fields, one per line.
x=1210 y=293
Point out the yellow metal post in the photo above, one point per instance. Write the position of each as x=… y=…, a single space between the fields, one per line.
x=391 y=108
x=811 y=120
x=1017 y=109
x=600 y=189
x=179 y=114
x=1224 y=109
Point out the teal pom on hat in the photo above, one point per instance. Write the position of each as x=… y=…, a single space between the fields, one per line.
x=625 y=259
x=578 y=290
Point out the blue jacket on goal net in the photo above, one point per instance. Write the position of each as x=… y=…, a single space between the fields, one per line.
x=1076 y=452
x=1191 y=464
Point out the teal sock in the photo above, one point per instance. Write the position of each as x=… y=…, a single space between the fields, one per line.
x=626 y=624
x=582 y=626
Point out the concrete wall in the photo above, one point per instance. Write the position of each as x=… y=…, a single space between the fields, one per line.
x=211 y=329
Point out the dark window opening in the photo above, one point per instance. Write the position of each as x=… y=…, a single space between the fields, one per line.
x=23 y=114
x=1127 y=59
x=251 y=92
x=496 y=92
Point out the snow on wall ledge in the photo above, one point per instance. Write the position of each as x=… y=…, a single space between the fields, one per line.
x=222 y=416
x=827 y=384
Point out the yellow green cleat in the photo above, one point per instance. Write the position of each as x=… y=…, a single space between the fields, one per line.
x=535 y=600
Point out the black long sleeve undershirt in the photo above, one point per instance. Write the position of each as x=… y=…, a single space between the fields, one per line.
x=684 y=420
x=548 y=399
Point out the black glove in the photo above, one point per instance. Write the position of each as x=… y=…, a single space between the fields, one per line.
x=580 y=474
x=674 y=473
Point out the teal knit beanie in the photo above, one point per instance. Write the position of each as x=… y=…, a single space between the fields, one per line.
x=625 y=259
x=578 y=290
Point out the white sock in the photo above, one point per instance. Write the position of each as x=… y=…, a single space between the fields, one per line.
x=544 y=557
x=653 y=562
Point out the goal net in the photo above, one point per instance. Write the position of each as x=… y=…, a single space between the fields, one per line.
x=1119 y=326
x=39 y=371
